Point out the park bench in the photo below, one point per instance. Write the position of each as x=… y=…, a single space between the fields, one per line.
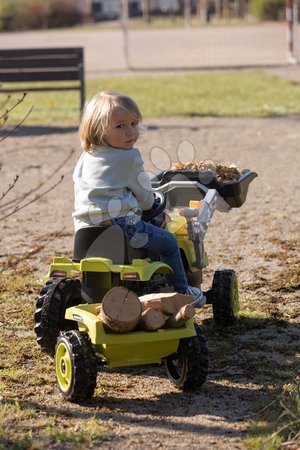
x=43 y=65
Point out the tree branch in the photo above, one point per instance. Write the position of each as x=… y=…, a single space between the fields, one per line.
x=4 y=103
x=10 y=187
x=37 y=197
x=20 y=100
x=17 y=126
x=17 y=200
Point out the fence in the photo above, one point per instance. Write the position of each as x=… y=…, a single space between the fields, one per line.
x=222 y=46
x=246 y=45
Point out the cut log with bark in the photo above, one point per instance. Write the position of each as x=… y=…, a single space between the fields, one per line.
x=167 y=303
x=151 y=319
x=121 y=310
x=178 y=319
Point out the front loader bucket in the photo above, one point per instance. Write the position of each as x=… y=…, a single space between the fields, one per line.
x=234 y=193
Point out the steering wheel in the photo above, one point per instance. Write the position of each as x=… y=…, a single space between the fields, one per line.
x=157 y=207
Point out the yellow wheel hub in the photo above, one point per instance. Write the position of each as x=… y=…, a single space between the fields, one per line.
x=63 y=367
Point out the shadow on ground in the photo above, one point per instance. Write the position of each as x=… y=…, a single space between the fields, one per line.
x=38 y=131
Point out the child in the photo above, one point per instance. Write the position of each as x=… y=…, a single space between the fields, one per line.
x=112 y=187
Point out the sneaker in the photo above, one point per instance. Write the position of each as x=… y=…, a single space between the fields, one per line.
x=199 y=298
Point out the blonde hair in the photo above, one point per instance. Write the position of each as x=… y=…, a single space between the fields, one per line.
x=96 y=117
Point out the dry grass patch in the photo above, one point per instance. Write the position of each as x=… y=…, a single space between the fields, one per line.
x=27 y=420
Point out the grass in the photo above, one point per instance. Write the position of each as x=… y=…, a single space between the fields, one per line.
x=36 y=432
x=226 y=94
x=268 y=344
x=277 y=425
x=26 y=420
x=280 y=425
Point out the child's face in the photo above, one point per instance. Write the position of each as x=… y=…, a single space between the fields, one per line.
x=124 y=130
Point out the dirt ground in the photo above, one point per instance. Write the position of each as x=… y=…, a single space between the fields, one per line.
x=259 y=240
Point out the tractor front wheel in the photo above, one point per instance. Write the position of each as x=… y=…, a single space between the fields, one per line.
x=225 y=297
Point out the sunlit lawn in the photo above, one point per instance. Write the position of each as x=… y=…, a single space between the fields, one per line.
x=230 y=94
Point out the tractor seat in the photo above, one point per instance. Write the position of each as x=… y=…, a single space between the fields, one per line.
x=105 y=242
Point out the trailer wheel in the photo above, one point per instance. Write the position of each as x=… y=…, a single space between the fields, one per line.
x=76 y=366
x=187 y=368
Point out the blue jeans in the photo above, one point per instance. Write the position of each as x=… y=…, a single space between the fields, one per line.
x=157 y=240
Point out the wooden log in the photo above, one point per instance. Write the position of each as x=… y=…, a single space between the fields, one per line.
x=167 y=303
x=176 y=320
x=121 y=310
x=151 y=319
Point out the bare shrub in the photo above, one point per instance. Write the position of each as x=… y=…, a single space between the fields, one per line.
x=64 y=13
x=34 y=14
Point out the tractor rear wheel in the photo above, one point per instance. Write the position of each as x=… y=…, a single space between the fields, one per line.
x=51 y=304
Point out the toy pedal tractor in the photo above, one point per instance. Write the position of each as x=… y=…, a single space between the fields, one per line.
x=66 y=321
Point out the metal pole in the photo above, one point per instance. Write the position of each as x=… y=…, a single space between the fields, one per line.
x=124 y=24
x=290 y=31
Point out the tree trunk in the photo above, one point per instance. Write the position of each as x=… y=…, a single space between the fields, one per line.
x=187 y=13
x=146 y=7
x=121 y=310
x=219 y=9
x=242 y=9
x=226 y=13
x=199 y=9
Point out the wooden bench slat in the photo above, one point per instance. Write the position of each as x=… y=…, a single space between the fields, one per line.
x=38 y=63
x=38 y=76
x=24 y=52
x=39 y=89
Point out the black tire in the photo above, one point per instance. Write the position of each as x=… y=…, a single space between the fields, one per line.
x=187 y=368
x=51 y=304
x=225 y=297
x=76 y=366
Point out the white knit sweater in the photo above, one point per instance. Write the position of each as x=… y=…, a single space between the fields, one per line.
x=109 y=182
